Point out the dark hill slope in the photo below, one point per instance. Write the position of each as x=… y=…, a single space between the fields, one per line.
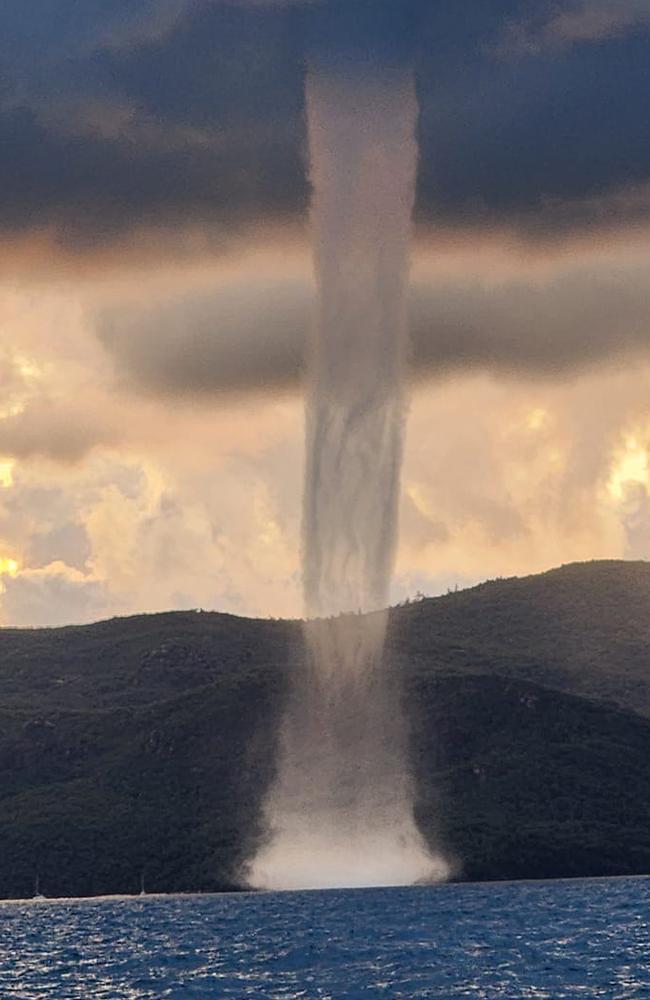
x=146 y=744
x=517 y=781
x=131 y=662
x=93 y=801
x=583 y=629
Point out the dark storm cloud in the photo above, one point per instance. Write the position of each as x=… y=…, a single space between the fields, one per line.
x=192 y=112
x=252 y=335
x=248 y=336
x=193 y=126
x=523 y=141
x=93 y=188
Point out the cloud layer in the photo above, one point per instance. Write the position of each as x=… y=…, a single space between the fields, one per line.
x=157 y=294
x=472 y=308
x=574 y=22
x=192 y=114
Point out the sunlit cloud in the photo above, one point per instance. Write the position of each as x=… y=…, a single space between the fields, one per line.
x=631 y=466
x=157 y=297
x=573 y=22
x=201 y=508
x=121 y=496
x=536 y=419
x=8 y=566
x=6 y=473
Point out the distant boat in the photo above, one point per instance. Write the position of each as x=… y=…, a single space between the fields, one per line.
x=142 y=889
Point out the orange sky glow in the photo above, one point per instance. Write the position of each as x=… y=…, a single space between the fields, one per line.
x=126 y=488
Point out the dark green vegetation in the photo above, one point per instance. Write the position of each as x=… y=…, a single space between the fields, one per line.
x=143 y=746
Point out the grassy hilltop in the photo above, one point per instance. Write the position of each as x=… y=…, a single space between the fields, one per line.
x=144 y=746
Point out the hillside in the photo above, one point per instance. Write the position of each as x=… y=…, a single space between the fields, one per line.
x=583 y=629
x=143 y=746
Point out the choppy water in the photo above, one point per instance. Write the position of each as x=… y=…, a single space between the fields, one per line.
x=554 y=940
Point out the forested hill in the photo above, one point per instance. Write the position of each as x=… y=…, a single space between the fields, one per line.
x=583 y=629
x=142 y=747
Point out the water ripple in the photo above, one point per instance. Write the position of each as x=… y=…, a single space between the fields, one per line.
x=544 y=941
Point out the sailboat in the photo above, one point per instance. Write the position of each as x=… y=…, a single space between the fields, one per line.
x=38 y=895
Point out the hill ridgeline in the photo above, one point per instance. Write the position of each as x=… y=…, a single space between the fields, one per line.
x=139 y=750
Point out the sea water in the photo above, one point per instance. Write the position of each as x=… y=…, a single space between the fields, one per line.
x=557 y=940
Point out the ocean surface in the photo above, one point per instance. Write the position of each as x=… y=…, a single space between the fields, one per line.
x=568 y=939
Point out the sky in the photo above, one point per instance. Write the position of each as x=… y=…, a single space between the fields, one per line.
x=156 y=290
